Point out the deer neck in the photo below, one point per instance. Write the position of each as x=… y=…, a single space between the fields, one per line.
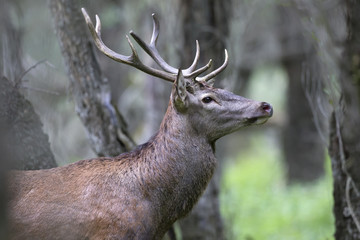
x=181 y=140
x=185 y=162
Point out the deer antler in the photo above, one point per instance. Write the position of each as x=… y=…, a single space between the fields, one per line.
x=216 y=71
x=132 y=60
x=169 y=72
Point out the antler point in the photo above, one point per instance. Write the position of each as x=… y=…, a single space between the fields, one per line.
x=98 y=25
x=86 y=15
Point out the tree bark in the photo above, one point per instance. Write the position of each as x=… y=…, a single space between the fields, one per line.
x=105 y=126
x=345 y=134
x=29 y=145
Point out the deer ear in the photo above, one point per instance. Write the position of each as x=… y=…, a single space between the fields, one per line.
x=179 y=91
x=210 y=82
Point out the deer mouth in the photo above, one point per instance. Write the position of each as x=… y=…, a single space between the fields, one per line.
x=257 y=120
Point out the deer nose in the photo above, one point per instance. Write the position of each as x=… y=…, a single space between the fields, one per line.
x=267 y=108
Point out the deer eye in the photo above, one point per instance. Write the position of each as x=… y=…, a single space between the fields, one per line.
x=207 y=100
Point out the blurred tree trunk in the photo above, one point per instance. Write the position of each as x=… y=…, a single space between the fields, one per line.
x=157 y=97
x=106 y=127
x=29 y=145
x=206 y=21
x=241 y=84
x=267 y=39
x=303 y=148
x=345 y=134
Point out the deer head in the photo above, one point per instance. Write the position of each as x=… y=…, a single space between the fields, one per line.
x=211 y=112
x=215 y=112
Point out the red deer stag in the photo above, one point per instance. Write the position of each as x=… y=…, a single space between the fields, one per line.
x=139 y=194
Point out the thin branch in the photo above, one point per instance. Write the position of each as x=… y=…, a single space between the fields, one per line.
x=348 y=201
x=18 y=81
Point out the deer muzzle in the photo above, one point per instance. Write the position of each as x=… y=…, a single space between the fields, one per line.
x=264 y=112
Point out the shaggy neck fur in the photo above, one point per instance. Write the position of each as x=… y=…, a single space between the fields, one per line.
x=177 y=164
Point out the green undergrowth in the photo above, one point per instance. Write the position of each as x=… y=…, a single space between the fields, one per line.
x=257 y=204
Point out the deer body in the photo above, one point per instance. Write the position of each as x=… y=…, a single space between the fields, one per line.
x=140 y=194
x=136 y=195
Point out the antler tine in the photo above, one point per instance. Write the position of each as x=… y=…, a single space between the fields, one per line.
x=96 y=34
x=199 y=71
x=195 y=62
x=156 y=30
x=190 y=72
x=216 y=71
x=132 y=60
x=151 y=48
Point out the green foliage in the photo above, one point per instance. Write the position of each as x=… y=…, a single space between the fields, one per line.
x=257 y=203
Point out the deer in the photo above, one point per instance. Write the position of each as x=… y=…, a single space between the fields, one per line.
x=141 y=193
